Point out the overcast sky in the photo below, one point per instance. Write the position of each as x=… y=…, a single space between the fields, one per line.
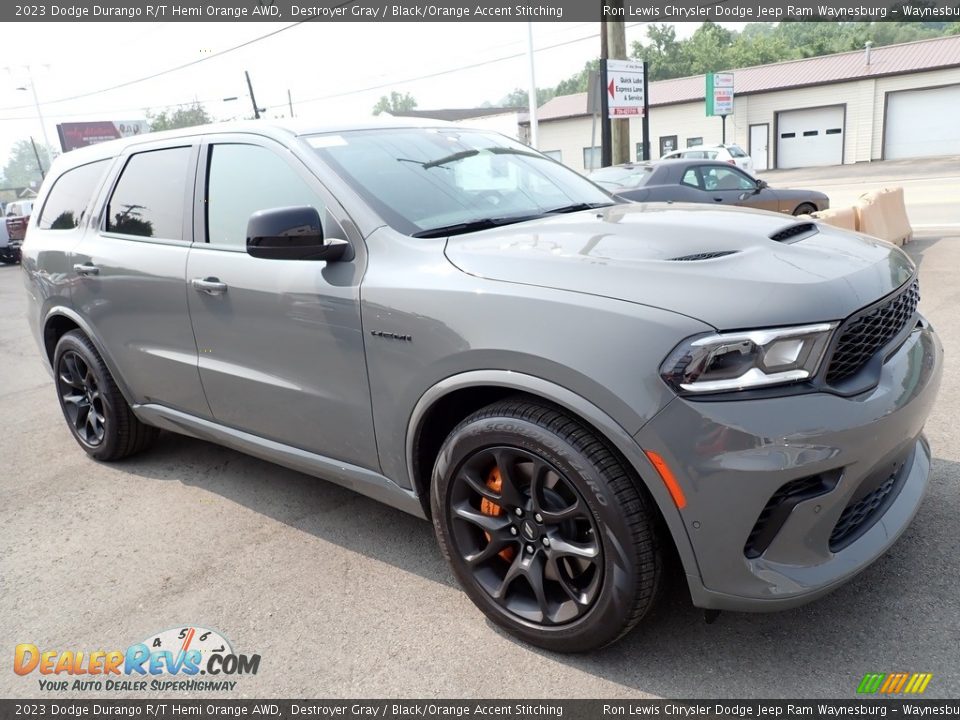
x=334 y=71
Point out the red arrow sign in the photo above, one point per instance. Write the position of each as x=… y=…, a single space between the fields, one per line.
x=610 y=88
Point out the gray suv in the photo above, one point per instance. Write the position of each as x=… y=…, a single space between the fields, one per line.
x=576 y=390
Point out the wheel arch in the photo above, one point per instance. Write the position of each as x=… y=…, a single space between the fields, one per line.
x=448 y=402
x=61 y=320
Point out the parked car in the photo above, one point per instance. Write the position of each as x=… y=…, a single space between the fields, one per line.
x=9 y=249
x=730 y=153
x=703 y=181
x=575 y=390
x=17 y=218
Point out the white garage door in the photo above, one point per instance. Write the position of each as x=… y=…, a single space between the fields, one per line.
x=922 y=123
x=810 y=137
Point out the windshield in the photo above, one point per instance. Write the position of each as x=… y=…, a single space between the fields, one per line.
x=736 y=151
x=425 y=180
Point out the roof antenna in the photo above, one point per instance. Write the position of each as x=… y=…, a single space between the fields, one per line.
x=866 y=48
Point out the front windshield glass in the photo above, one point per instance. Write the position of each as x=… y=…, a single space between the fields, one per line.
x=422 y=181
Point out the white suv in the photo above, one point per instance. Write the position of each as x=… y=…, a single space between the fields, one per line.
x=731 y=153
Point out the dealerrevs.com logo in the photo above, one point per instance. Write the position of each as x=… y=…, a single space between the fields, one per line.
x=189 y=658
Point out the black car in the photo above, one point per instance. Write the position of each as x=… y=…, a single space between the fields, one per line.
x=703 y=181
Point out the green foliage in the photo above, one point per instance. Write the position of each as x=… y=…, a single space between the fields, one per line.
x=181 y=118
x=520 y=98
x=394 y=102
x=21 y=168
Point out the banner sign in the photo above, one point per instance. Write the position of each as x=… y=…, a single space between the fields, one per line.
x=80 y=134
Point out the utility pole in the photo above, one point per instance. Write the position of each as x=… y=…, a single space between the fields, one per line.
x=290 y=102
x=614 y=134
x=617 y=49
x=256 y=110
x=532 y=93
x=36 y=154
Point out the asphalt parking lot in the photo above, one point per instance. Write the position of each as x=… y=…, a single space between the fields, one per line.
x=343 y=597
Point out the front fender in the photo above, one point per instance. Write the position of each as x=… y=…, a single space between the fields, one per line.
x=578 y=406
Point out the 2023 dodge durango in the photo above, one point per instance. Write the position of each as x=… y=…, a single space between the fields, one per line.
x=575 y=390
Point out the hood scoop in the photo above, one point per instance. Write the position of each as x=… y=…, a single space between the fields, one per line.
x=702 y=256
x=794 y=233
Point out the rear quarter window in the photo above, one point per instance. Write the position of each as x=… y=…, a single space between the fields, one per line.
x=70 y=195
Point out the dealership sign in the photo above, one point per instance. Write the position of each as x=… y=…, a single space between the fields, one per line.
x=624 y=83
x=719 y=94
x=80 y=134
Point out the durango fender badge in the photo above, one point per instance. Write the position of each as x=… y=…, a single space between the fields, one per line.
x=391 y=335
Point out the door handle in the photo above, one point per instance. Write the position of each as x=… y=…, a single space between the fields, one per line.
x=86 y=269
x=718 y=199
x=210 y=285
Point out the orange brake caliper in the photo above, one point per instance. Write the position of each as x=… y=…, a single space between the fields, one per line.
x=488 y=507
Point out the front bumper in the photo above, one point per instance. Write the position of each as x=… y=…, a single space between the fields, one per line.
x=731 y=458
x=10 y=252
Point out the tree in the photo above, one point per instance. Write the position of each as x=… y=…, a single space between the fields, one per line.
x=21 y=168
x=181 y=118
x=394 y=102
x=519 y=98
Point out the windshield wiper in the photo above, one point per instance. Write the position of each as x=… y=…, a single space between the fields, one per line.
x=472 y=226
x=576 y=207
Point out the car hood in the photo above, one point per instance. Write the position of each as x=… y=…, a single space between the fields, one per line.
x=630 y=252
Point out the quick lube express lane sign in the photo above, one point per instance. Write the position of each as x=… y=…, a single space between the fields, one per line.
x=624 y=87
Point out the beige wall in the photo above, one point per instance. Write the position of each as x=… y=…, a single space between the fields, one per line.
x=863 y=132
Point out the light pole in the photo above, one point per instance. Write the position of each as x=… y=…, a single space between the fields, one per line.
x=31 y=85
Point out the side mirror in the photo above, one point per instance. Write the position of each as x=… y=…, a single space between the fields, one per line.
x=291 y=233
x=762 y=184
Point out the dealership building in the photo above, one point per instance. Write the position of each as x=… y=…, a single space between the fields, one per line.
x=886 y=103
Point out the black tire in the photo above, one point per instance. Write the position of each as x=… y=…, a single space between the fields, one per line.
x=584 y=603
x=805 y=209
x=97 y=414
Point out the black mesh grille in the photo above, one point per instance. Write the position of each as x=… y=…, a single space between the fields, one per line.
x=779 y=506
x=856 y=515
x=703 y=256
x=863 y=336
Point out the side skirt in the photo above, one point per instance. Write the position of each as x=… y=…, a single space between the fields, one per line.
x=366 y=482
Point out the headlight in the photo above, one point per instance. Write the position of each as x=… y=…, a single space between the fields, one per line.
x=745 y=360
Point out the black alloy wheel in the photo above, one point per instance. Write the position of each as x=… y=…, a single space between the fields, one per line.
x=81 y=399
x=96 y=412
x=532 y=543
x=805 y=209
x=548 y=530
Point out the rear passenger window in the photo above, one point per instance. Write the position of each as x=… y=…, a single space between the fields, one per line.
x=148 y=198
x=243 y=179
x=69 y=197
x=690 y=178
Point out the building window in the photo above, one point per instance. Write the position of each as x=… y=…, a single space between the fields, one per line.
x=553 y=155
x=694 y=141
x=640 y=157
x=591 y=157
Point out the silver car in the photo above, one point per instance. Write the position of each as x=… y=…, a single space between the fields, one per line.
x=577 y=391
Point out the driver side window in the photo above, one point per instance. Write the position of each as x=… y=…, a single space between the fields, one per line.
x=242 y=179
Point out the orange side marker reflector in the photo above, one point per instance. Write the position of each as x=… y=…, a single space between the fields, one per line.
x=679 y=499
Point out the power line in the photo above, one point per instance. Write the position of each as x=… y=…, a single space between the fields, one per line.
x=184 y=66
x=440 y=73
